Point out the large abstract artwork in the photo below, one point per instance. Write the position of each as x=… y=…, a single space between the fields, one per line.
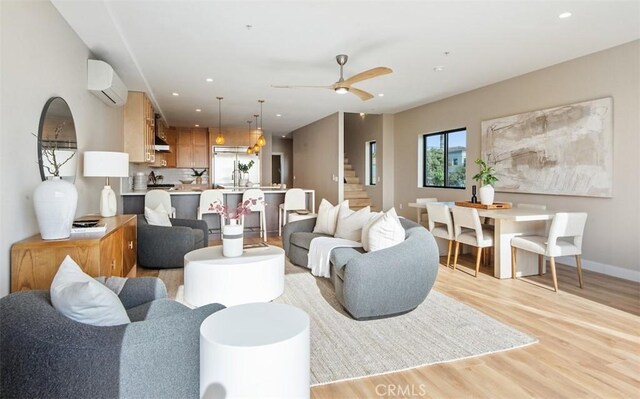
x=565 y=150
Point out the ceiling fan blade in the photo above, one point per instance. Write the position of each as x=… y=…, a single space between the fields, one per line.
x=298 y=87
x=371 y=73
x=364 y=96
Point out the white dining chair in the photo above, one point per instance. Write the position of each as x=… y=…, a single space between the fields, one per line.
x=532 y=206
x=256 y=204
x=155 y=197
x=294 y=199
x=208 y=199
x=423 y=216
x=564 y=239
x=469 y=230
x=441 y=224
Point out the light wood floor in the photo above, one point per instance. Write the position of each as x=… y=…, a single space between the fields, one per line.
x=589 y=341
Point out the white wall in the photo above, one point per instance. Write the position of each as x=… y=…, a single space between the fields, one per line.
x=612 y=243
x=42 y=58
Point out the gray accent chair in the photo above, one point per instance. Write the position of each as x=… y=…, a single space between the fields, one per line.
x=371 y=285
x=47 y=355
x=164 y=247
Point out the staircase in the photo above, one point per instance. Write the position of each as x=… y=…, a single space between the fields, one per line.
x=353 y=189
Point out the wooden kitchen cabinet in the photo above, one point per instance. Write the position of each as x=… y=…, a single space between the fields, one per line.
x=139 y=128
x=34 y=261
x=193 y=148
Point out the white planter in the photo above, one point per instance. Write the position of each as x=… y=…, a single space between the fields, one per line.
x=486 y=194
x=55 y=202
x=232 y=239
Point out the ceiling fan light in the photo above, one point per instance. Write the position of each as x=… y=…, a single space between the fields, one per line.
x=341 y=90
x=261 y=141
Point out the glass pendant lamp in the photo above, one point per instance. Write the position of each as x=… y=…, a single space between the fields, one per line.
x=219 y=137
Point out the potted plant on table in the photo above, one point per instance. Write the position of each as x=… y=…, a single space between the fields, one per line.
x=486 y=177
x=244 y=168
x=198 y=175
x=232 y=233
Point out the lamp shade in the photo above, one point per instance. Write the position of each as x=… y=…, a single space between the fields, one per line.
x=106 y=164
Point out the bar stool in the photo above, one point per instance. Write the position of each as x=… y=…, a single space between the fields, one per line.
x=255 y=202
x=208 y=199
x=294 y=200
x=155 y=197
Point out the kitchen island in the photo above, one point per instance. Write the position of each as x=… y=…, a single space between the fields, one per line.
x=187 y=201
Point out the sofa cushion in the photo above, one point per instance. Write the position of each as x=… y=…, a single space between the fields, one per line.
x=386 y=231
x=81 y=298
x=198 y=238
x=328 y=216
x=350 y=223
x=303 y=239
x=157 y=217
x=341 y=256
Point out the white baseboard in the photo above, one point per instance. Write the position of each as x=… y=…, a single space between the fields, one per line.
x=610 y=270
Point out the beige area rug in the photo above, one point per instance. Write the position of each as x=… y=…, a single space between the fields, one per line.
x=438 y=331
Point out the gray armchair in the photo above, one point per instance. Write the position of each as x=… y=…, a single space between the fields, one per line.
x=383 y=283
x=47 y=355
x=164 y=247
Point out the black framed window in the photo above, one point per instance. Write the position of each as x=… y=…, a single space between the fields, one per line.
x=445 y=159
x=372 y=163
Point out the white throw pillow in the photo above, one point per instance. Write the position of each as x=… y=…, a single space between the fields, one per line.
x=350 y=223
x=327 y=217
x=386 y=231
x=373 y=216
x=157 y=217
x=83 y=299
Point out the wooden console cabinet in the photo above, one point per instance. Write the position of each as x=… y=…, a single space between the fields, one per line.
x=34 y=261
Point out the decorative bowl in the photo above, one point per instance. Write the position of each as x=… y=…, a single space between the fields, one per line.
x=188 y=181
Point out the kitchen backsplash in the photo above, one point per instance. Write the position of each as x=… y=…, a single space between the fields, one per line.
x=171 y=175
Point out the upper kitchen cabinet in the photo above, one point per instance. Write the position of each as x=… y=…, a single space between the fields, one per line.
x=193 y=148
x=139 y=128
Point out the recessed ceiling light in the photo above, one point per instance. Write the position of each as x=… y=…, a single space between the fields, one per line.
x=198 y=110
x=564 y=15
x=278 y=115
x=175 y=94
x=438 y=68
x=284 y=137
x=209 y=80
x=380 y=94
x=197 y=125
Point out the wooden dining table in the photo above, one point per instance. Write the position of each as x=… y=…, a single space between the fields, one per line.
x=510 y=223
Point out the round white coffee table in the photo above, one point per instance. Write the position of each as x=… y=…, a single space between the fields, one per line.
x=256 y=350
x=210 y=277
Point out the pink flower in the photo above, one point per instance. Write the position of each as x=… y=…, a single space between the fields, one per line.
x=243 y=208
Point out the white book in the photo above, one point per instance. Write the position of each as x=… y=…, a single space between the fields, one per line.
x=98 y=228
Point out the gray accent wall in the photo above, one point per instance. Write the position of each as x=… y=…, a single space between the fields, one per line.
x=611 y=243
x=317 y=157
x=358 y=130
x=42 y=57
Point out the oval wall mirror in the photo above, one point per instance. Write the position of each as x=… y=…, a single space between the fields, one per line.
x=57 y=143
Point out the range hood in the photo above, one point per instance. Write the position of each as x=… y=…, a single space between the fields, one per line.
x=161 y=145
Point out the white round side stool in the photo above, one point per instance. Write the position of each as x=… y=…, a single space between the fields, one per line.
x=256 y=350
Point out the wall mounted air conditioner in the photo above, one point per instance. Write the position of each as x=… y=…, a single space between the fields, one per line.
x=105 y=83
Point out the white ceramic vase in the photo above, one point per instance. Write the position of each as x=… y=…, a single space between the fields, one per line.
x=55 y=202
x=486 y=194
x=232 y=238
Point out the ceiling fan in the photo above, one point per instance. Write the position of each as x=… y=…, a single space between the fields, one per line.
x=343 y=85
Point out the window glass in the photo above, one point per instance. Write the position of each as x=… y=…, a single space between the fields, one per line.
x=445 y=159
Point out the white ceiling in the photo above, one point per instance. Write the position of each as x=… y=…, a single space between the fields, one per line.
x=163 y=47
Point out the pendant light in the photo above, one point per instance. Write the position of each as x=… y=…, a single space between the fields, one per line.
x=256 y=147
x=250 y=148
x=261 y=140
x=219 y=137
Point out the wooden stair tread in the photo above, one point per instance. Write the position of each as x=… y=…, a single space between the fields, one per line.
x=355 y=194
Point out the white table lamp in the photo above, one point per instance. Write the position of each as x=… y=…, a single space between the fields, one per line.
x=106 y=164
